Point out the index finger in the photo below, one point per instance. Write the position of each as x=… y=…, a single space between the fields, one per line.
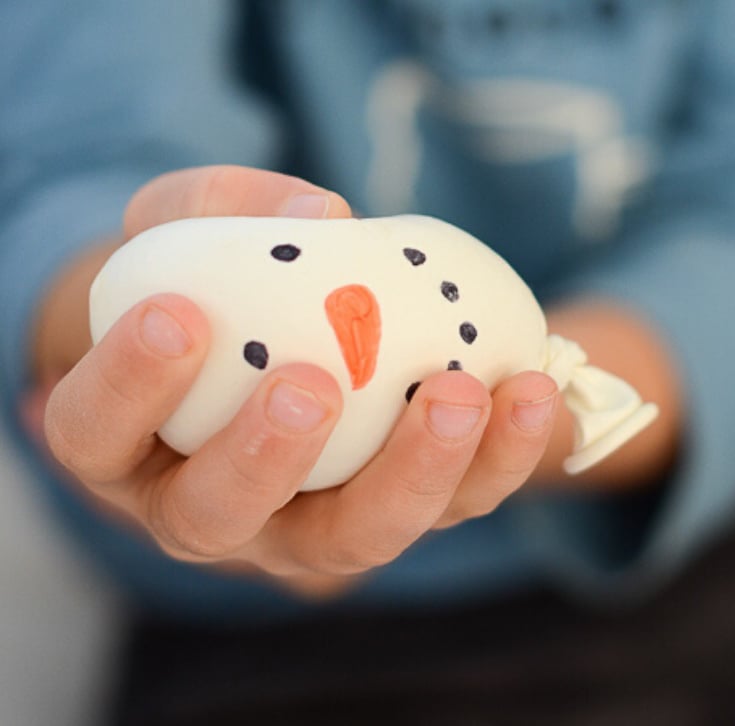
x=102 y=416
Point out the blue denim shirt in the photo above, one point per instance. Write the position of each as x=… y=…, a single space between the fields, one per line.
x=590 y=143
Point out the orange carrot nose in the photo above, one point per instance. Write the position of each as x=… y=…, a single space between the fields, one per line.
x=354 y=314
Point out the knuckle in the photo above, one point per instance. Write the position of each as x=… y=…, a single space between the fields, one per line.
x=194 y=550
x=208 y=193
x=482 y=492
x=498 y=487
x=462 y=511
x=114 y=380
x=249 y=468
x=510 y=473
x=508 y=479
x=470 y=507
x=507 y=465
x=424 y=484
x=64 y=447
x=72 y=448
x=354 y=557
x=426 y=480
x=182 y=538
x=281 y=568
x=179 y=552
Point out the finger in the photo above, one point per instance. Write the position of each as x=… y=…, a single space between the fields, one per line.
x=221 y=497
x=32 y=409
x=101 y=418
x=513 y=443
x=213 y=191
x=398 y=496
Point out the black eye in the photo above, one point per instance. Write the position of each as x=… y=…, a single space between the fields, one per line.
x=450 y=291
x=415 y=257
x=256 y=354
x=285 y=253
x=411 y=390
x=468 y=332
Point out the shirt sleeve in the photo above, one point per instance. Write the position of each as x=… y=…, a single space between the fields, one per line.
x=674 y=265
x=98 y=98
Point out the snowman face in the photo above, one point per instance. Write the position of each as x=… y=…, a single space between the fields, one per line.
x=353 y=312
x=380 y=303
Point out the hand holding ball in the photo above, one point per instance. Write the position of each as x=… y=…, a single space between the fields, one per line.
x=379 y=303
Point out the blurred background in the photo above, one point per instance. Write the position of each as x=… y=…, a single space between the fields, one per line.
x=60 y=622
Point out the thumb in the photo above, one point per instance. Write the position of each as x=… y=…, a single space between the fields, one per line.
x=222 y=191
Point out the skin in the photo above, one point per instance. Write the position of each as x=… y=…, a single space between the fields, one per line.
x=455 y=454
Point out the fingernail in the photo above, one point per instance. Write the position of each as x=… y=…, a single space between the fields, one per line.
x=306 y=206
x=453 y=422
x=532 y=416
x=163 y=334
x=295 y=408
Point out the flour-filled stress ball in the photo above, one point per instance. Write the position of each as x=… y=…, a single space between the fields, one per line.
x=379 y=303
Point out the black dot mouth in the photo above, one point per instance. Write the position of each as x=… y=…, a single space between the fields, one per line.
x=468 y=332
x=411 y=390
x=450 y=291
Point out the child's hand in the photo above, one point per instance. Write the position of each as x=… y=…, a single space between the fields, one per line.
x=234 y=500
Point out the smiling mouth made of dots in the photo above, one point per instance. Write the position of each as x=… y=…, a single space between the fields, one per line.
x=354 y=315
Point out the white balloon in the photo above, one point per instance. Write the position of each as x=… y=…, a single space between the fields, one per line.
x=379 y=303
